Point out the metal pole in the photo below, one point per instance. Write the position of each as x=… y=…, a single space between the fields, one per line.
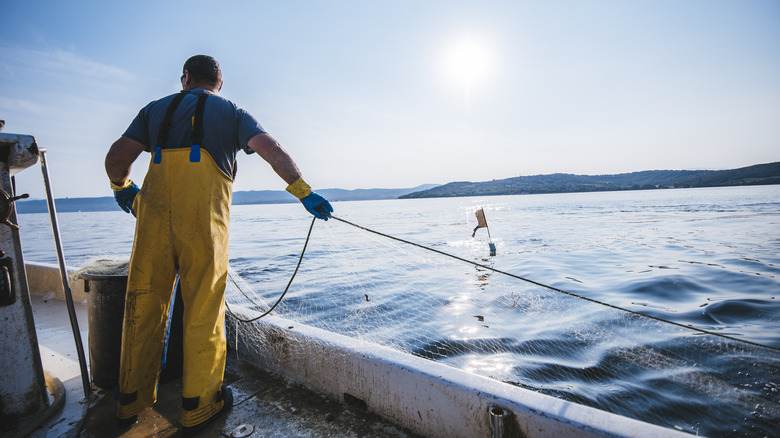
x=487 y=227
x=496 y=422
x=491 y=245
x=74 y=323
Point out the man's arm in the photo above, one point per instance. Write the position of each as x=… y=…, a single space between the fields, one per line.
x=273 y=153
x=120 y=159
x=284 y=166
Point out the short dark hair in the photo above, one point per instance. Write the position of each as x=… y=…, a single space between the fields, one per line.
x=204 y=69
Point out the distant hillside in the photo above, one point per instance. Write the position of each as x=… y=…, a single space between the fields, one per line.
x=282 y=197
x=107 y=203
x=65 y=205
x=566 y=183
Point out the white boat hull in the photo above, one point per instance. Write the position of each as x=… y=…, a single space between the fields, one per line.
x=428 y=398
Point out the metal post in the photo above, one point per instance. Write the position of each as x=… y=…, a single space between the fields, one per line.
x=22 y=382
x=491 y=245
x=496 y=422
x=74 y=323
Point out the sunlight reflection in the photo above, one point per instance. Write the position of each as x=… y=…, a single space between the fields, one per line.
x=496 y=365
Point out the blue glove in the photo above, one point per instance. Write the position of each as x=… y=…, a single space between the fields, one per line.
x=126 y=196
x=317 y=205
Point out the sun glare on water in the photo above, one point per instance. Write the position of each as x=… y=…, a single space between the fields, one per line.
x=467 y=63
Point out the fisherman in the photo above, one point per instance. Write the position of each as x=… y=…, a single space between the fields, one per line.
x=183 y=215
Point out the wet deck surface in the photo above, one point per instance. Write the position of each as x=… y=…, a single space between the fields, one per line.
x=264 y=406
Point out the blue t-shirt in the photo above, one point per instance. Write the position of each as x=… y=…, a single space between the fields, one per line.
x=226 y=128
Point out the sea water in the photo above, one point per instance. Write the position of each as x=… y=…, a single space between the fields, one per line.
x=595 y=310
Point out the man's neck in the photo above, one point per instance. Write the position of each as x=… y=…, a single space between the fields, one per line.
x=209 y=88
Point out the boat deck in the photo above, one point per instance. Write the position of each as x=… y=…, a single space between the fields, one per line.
x=264 y=405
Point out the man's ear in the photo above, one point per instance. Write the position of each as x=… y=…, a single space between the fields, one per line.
x=186 y=80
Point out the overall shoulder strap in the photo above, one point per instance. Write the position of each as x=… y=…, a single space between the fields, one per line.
x=197 y=128
x=165 y=126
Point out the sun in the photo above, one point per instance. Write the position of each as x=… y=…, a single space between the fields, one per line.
x=467 y=62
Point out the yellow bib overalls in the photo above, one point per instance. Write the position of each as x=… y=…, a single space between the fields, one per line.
x=183 y=217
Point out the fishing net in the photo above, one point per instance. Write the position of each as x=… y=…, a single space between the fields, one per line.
x=474 y=317
x=105 y=265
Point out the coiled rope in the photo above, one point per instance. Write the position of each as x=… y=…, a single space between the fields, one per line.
x=497 y=271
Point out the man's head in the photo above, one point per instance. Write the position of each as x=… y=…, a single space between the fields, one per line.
x=201 y=71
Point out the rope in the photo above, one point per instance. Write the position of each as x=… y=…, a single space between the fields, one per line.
x=498 y=271
x=300 y=259
x=555 y=289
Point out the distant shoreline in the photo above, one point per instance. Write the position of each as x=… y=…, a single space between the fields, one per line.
x=760 y=174
x=107 y=203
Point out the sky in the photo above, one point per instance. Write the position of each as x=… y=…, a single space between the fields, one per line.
x=395 y=94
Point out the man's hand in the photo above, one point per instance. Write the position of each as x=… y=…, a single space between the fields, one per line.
x=317 y=205
x=125 y=196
